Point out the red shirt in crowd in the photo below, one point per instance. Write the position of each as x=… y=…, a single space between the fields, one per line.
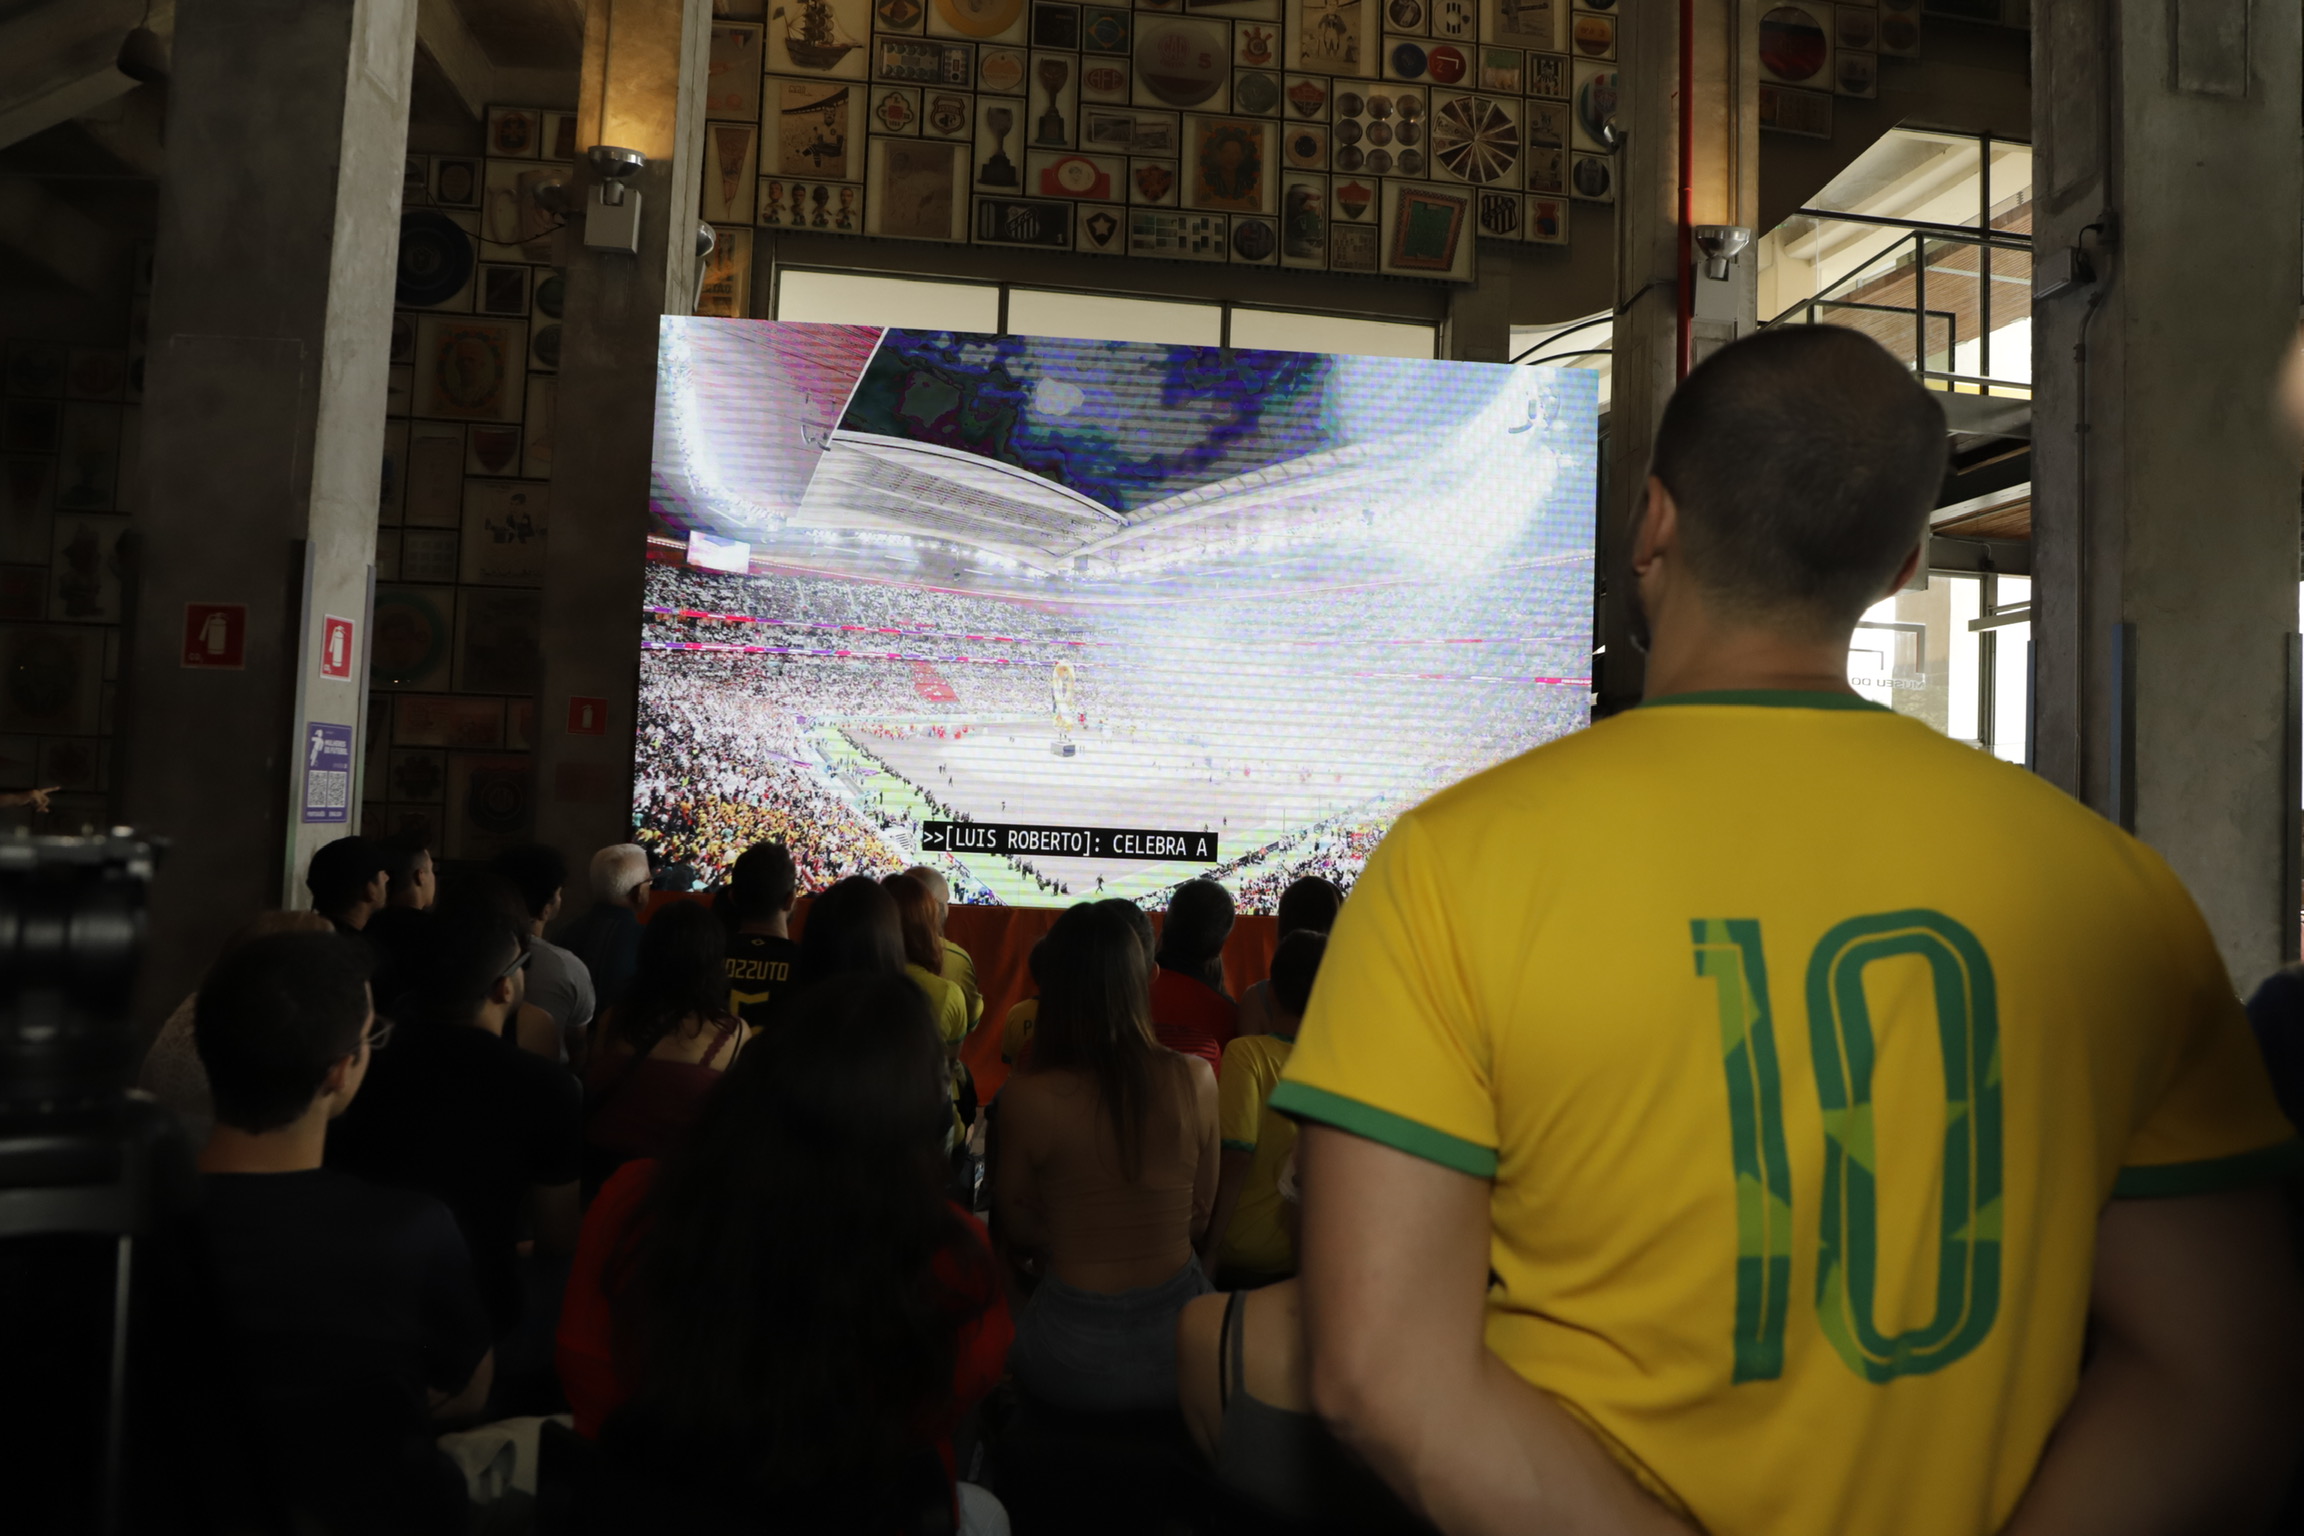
x=587 y=1353
x=1192 y=1017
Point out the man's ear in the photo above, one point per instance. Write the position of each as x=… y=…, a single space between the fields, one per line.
x=1655 y=528
x=502 y=993
x=339 y=1076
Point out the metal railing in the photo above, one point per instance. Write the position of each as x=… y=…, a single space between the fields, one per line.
x=1913 y=254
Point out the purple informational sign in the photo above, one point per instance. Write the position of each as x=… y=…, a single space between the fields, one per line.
x=327 y=772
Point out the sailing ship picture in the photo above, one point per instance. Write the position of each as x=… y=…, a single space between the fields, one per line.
x=813 y=37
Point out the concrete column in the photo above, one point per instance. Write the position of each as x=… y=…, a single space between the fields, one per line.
x=263 y=442
x=2165 y=505
x=1724 y=186
x=643 y=88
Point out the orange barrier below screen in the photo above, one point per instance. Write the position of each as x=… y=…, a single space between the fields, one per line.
x=1000 y=940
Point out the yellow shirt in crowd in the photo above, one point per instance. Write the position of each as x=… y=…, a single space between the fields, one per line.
x=1799 y=1114
x=945 y=1002
x=1258 y=1237
x=960 y=969
x=1016 y=1030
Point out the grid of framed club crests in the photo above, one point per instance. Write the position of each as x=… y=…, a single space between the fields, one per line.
x=1367 y=136
x=1812 y=51
x=455 y=658
x=69 y=429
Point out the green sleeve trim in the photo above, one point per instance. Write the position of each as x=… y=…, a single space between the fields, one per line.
x=1238 y=1146
x=1302 y=1101
x=1772 y=698
x=2158 y=1181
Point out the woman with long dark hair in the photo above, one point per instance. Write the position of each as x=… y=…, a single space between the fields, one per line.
x=1104 y=1169
x=853 y=926
x=780 y=1327
x=666 y=1044
x=1191 y=1011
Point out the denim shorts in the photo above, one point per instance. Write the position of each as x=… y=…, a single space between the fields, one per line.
x=1103 y=1351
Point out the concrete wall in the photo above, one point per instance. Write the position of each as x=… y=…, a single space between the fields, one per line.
x=2163 y=496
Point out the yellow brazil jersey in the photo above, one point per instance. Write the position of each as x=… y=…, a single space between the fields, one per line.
x=960 y=970
x=1016 y=1030
x=944 y=1001
x=1258 y=1237
x=1799 y=1107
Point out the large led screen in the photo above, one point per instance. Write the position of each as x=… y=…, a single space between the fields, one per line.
x=1078 y=618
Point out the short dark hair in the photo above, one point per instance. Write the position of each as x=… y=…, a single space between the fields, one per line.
x=471 y=940
x=340 y=871
x=272 y=1017
x=1294 y=964
x=1804 y=461
x=537 y=872
x=401 y=851
x=1309 y=902
x=762 y=882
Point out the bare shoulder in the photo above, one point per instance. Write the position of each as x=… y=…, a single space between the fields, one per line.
x=1200 y=1075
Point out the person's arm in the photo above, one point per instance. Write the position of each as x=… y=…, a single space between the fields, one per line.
x=467 y=1403
x=2189 y=1409
x=1199 y=1382
x=1208 y=1168
x=1231 y=1173
x=35 y=798
x=534 y=1032
x=1239 y=1112
x=1395 y=1281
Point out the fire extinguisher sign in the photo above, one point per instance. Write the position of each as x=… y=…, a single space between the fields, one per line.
x=216 y=636
x=336 y=647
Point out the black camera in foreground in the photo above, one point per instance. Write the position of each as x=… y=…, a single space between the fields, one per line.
x=88 y=1173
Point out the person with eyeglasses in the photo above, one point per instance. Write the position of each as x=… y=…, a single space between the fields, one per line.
x=456 y=1109
x=352 y=1327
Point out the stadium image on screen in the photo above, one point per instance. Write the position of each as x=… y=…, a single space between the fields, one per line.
x=1074 y=618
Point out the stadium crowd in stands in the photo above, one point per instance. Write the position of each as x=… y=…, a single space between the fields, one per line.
x=1452 y=1222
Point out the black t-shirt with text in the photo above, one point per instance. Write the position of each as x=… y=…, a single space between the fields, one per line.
x=474 y=1121
x=759 y=969
x=342 y=1302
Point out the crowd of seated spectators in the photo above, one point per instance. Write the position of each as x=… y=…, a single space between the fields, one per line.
x=703 y=1211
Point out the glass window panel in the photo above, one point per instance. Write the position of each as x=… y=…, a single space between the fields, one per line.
x=1104 y=317
x=1908 y=648
x=2011 y=689
x=1964 y=670
x=860 y=298
x=2014 y=592
x=1280 y=330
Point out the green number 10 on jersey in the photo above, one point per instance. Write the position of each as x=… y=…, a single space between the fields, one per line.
x=1842 y=1044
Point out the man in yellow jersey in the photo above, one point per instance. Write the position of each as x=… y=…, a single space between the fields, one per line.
x=1778 y=1151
